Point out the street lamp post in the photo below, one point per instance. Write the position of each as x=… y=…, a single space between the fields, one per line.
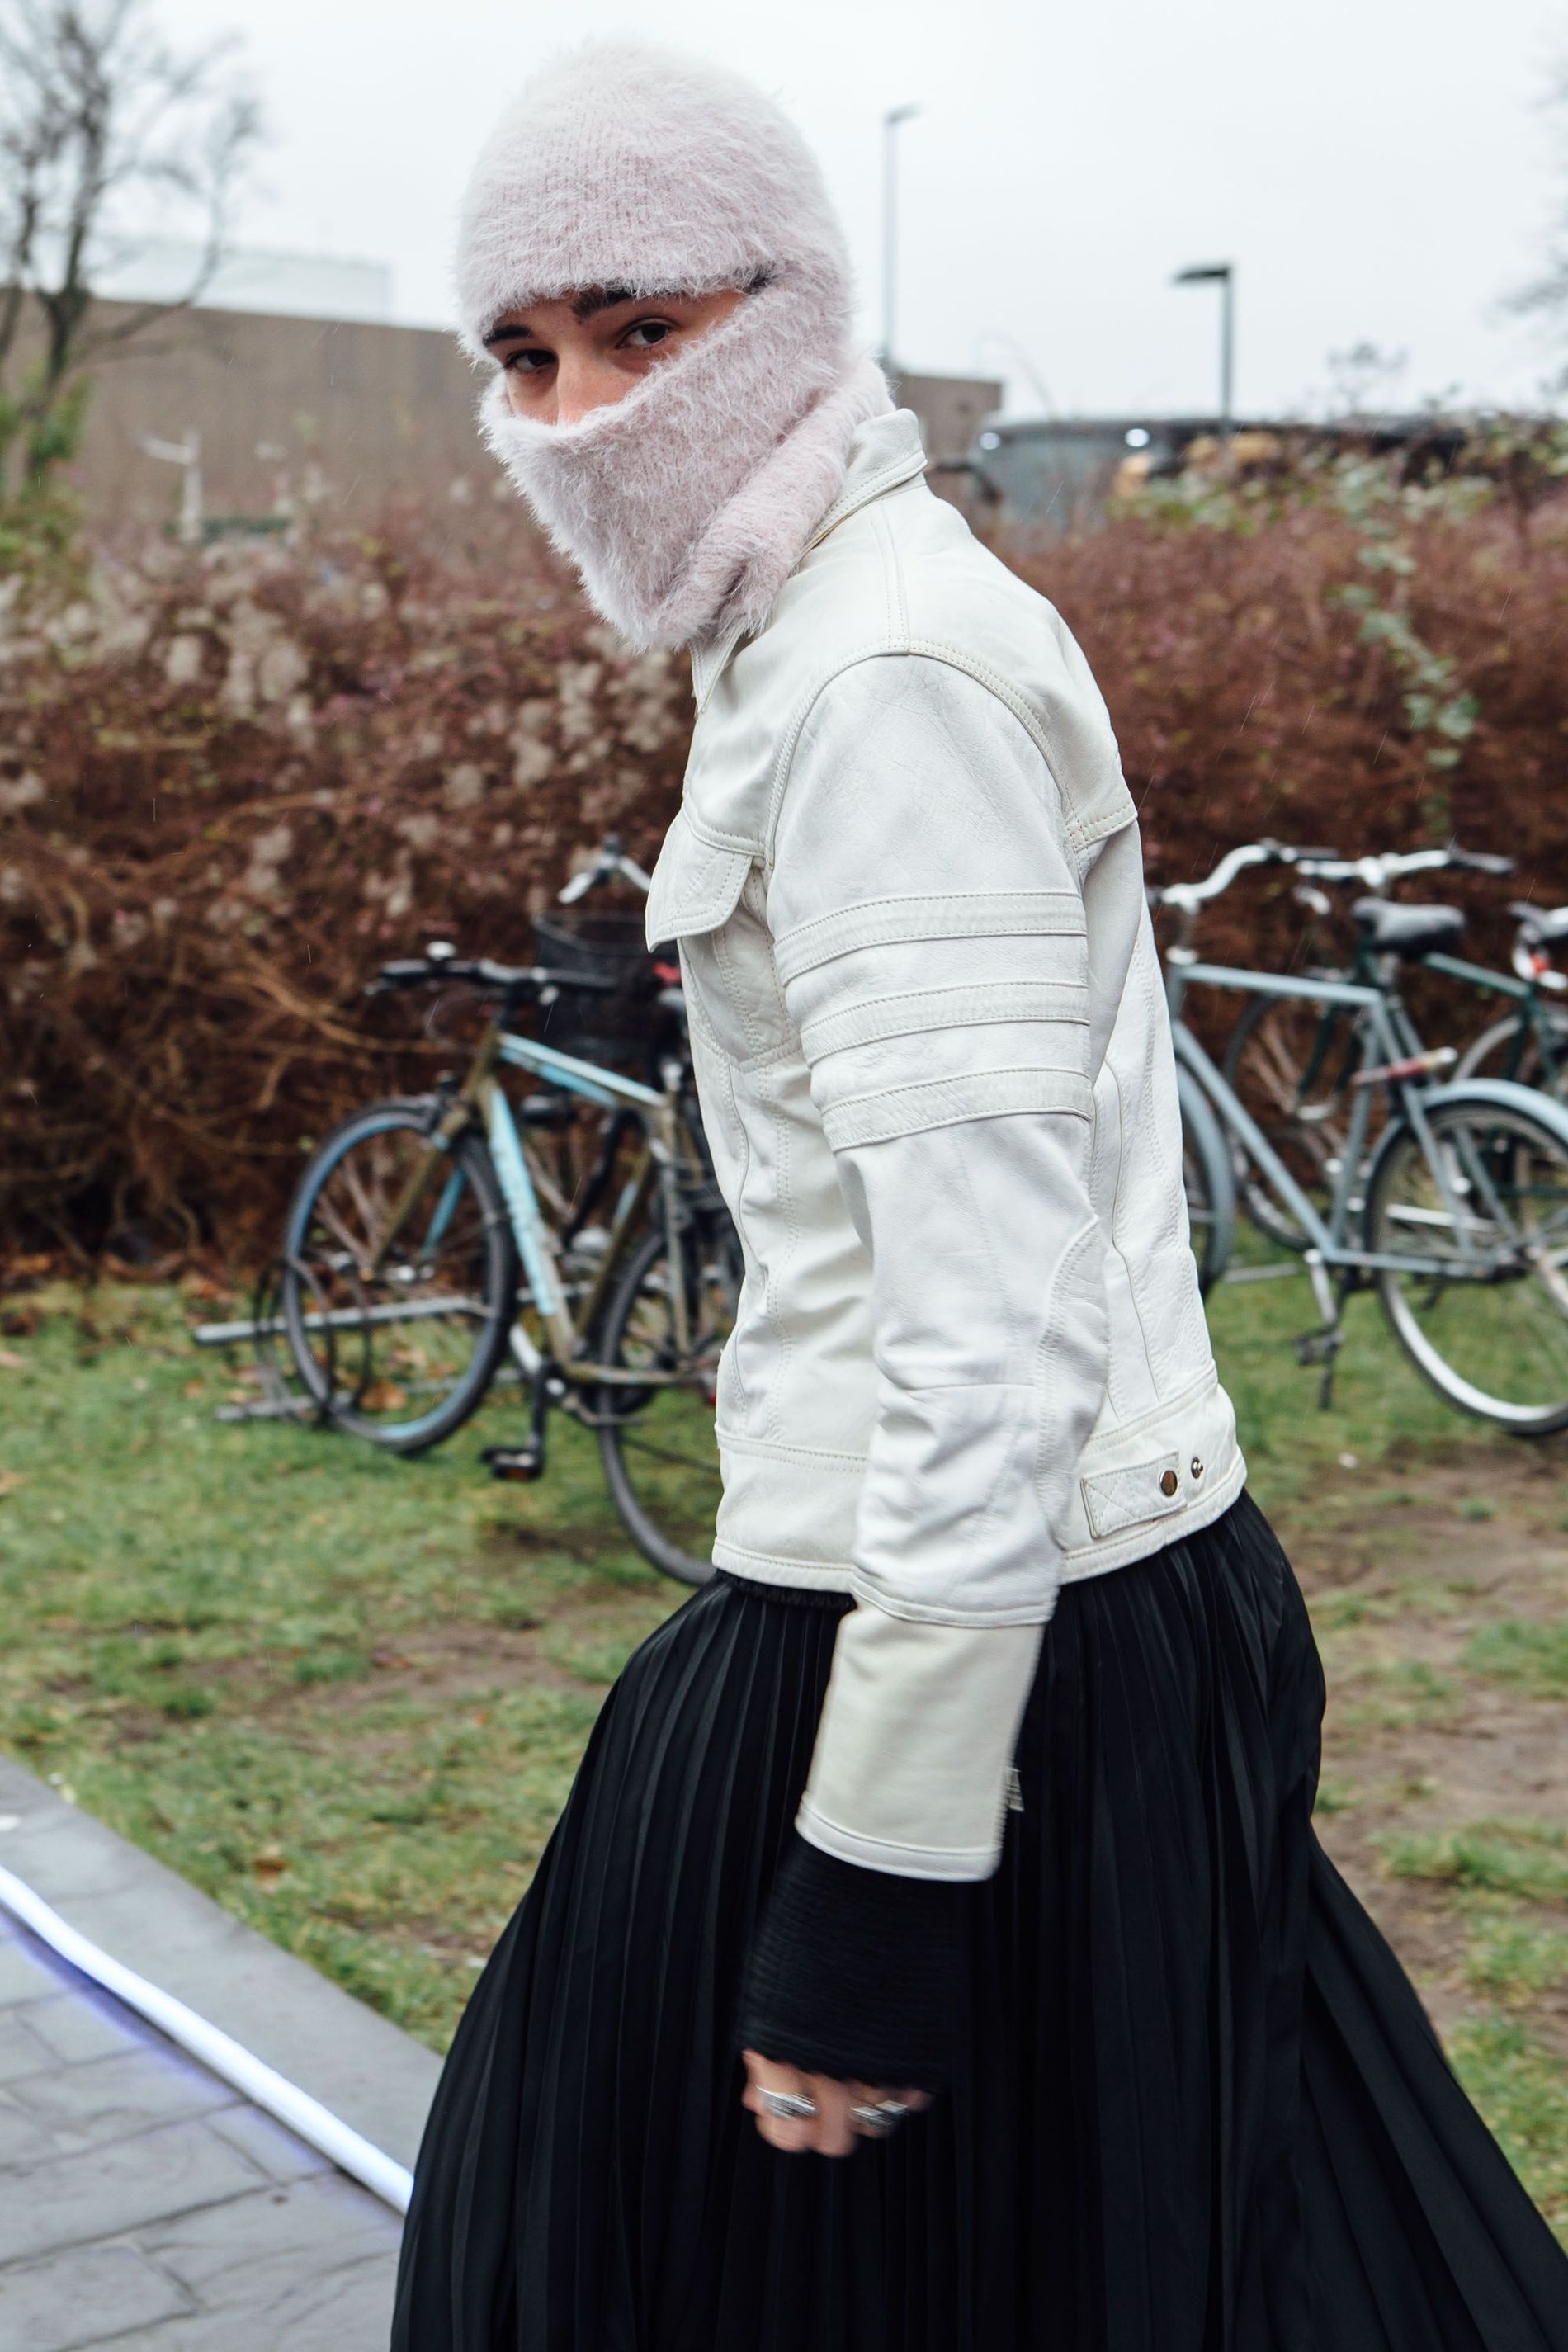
x=891 y=121
x=1221 y=274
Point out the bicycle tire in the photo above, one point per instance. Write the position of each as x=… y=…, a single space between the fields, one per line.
x=472 y=1163
x=1499 y=1037
x=621 y=1412
x=1528 y=1322
x=1209 y=1180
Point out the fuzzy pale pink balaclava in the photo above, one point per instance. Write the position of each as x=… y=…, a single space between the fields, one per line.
x=686 y=505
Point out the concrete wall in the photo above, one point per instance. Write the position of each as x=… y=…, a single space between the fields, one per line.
x=952 y=409
x=337 y=412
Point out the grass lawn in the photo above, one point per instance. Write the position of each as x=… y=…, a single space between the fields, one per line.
x=346 y=1694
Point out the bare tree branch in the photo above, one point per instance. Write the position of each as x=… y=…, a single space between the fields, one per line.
x=107 y=136
x=1548 y=294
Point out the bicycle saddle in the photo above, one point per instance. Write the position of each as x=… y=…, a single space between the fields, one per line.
x=1540 y=927
x=1407 y=930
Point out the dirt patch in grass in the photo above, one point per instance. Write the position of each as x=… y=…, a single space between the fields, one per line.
x=1442 y=1611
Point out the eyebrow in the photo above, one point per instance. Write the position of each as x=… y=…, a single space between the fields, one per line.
x=585 y=307
x=599 y=297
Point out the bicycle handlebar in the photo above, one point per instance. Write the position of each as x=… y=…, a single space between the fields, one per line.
x=1236 y=861
x=1372 y=873
x=1378 y=869
x=419 y=972
x=610 y=864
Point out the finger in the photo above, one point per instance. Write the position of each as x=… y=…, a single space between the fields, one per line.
x=834 y=2133
x=794 y=2136
x=866 y=2094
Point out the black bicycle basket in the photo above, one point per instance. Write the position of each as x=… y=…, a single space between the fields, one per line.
x=620 y=1029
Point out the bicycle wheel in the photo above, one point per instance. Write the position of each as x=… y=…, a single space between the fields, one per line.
x=1487 y=1323
x=660 y=1448
x=399 y=1352
x=1500 y=1051
x=1289 y=1062
x=1208 y=1180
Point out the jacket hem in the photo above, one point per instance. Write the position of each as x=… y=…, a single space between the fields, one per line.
x=775 y=1568
x=1073 y=1567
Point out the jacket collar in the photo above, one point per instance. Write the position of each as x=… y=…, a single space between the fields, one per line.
x=885 y=453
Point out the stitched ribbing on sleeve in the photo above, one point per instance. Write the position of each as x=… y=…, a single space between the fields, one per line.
x=925 y=915
x=858 y=1974
x=943 y=1102
x=875 y=1019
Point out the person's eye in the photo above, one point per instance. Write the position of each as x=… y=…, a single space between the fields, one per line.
x=643 y=334
x=529 y=361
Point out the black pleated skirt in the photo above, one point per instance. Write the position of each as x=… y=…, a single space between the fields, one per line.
x=1199 y=2107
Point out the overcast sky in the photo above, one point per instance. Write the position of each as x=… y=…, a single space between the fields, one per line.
x=1378 y=170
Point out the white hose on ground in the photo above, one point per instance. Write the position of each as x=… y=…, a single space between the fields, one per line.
x=218 y=2051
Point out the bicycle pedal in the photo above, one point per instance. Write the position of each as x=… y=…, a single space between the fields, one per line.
x=523 y=1463
x=1319 y=1346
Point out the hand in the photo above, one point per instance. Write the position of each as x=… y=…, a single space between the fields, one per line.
x=830 y=2131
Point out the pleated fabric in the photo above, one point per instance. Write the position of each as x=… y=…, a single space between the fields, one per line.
x=1198 y=2106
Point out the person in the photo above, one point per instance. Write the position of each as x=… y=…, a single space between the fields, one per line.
x=935 y=1953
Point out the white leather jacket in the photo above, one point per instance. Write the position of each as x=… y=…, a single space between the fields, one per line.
x=935 y=1068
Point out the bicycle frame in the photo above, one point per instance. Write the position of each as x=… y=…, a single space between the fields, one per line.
x=1382 y=1040
x=657 y=1164
x=482 y=1098
x=1539 y=1024
x=1536 y=1026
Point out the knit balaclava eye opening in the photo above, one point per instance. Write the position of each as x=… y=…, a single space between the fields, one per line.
x=686 y=505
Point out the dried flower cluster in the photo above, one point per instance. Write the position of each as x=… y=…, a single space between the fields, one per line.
x=232 y=781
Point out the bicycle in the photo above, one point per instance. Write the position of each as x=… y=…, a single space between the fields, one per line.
x=1291 y=1065
x=1461 y=1224
x=416 y=1253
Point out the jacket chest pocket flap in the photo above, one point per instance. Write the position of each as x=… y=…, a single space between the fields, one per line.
x=696 y=884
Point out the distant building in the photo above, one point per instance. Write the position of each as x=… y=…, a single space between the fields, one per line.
x=952 y=409
x=339 y=415
x=1060 y=473
x=289 y=285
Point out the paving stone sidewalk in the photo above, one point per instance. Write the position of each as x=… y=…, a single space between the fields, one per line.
x=143 y=2204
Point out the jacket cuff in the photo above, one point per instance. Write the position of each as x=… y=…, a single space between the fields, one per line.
x=858 y=1974
x=908 y=1773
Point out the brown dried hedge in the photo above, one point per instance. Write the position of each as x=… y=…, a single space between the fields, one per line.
x=232 y=781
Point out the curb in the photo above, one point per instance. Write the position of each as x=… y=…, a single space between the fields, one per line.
x=372 y=2074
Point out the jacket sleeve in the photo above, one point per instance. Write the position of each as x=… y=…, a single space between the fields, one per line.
x=927 y=911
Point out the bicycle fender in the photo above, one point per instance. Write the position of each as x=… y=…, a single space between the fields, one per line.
x=1503 y=1094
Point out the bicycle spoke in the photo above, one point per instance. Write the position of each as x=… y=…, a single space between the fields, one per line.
x=412 y=1341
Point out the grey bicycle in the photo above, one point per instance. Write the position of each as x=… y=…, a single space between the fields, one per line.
x=1457 y=1214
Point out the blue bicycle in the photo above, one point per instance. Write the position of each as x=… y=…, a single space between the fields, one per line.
x=427 y=1242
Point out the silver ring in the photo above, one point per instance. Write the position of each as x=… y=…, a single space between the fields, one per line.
x=877 y=2121
x=789 y=2106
